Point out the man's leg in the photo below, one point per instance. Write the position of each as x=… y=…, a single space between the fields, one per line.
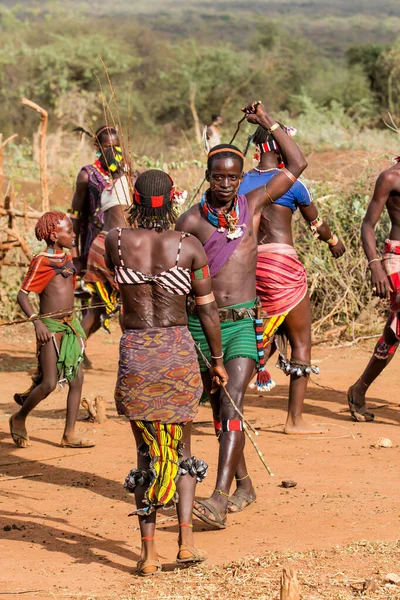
x=385 y=348
x=48 y=363
x=231 y=437
x=298 y=329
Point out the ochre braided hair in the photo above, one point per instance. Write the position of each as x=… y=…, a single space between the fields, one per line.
x=47 y=224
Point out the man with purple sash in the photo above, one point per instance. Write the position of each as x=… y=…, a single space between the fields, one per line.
x=227 y=225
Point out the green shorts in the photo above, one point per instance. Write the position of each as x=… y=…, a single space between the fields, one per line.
x=238 y=337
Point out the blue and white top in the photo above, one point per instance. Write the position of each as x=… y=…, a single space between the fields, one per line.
x=298 y=195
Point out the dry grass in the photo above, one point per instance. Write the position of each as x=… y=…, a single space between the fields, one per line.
x=339 y=574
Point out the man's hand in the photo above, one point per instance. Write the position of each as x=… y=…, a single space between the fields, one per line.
x=43 y=335
x=337 y=250
x=254 y=111
x=219 y=377
x=379 y=281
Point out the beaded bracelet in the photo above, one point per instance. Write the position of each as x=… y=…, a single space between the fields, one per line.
x=332 y=240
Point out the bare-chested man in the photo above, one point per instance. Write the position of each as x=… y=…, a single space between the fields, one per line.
x=227 y=225
x=385 y=282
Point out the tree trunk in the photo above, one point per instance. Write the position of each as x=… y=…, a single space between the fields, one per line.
x=197 y=128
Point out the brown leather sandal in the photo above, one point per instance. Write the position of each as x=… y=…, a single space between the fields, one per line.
x=197 y=555
x=145 y=564
x=358 y=413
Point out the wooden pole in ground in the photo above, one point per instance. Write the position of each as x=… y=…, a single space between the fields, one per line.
x=2 y=146
x=289 y=585
x=44 y=181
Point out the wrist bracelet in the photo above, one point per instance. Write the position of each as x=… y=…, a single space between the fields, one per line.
x=33 y=316
x=217 y=357
x=374 y=260
x=274 y=127
x=332 y=240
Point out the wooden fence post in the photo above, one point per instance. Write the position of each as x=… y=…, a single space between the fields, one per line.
x=43 y=157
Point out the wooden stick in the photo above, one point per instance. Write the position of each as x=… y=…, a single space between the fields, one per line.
x=10 y=263
x=22 y=242
x=237 y=129
x=289 y=585
x=20 y=477
x=42 y=157
x=30 y=214
x=2 y=146
x=9 y=205
x=241 y=415
x=29 y=462
x=257 y=449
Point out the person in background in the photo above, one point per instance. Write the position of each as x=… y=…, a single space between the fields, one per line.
x=281 y=279
x=385 y=283
x=213 y=131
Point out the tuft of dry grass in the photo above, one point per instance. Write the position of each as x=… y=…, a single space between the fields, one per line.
x=342 y=573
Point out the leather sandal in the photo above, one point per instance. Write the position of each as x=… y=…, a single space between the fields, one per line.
x=145 y=564
x=358 y=413
x=197 y=556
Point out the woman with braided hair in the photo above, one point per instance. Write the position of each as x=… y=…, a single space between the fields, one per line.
x=159 y=383
x=281 y=278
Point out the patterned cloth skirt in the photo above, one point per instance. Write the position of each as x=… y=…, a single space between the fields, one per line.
x=158 y=375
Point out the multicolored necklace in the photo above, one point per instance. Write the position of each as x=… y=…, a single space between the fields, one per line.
x=104 y=173
x=223 y=221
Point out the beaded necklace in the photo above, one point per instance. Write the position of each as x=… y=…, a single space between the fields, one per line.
x=264 y=170
x=98 y=167
x=223 y=221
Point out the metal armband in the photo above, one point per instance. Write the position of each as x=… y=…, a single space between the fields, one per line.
x=207 y=299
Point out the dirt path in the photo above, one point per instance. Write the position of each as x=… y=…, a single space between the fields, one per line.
x=65 y=530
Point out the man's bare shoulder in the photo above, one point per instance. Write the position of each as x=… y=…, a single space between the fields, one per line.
x=83 y=176
x=390 y=178
x=189 y=220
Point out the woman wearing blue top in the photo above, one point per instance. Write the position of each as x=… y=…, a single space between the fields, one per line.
x=281 y=278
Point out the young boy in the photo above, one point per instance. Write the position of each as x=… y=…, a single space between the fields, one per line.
x=60 y=340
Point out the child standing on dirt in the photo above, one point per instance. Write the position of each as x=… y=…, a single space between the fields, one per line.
x=60 y=339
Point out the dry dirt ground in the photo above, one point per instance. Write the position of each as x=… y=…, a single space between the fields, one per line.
x=64 y=525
